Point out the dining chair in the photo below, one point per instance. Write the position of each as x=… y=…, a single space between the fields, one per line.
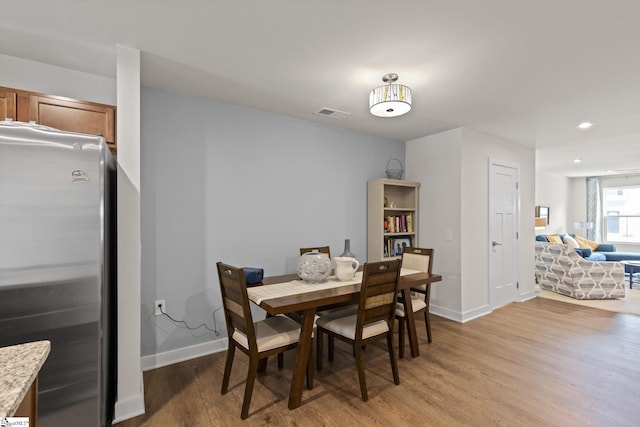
x=259 y=340
x=326 y=310
x=321 y=249
x=372 y=321
x=420 y=259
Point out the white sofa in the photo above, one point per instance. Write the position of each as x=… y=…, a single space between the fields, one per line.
x=560 y=269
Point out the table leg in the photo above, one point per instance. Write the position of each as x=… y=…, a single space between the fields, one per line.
x=411 y=322
x=427 y=318
x=304 y=347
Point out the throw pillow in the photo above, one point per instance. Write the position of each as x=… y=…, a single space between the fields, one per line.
x=570 y=241
x=554 y=238
x=585 y=243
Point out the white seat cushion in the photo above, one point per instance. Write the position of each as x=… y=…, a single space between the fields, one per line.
x=272 y=332
x=417 y=304
x=346 y=326
x=421 y=287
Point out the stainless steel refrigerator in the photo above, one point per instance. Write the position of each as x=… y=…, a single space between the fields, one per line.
x=57 y=266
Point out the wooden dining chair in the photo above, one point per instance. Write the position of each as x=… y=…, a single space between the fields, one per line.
x=259 y=340
x=321 y=249
x=420 y=259
x=373 y=320
x=326 y=310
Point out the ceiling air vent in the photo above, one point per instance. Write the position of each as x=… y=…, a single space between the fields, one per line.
x=333 y=114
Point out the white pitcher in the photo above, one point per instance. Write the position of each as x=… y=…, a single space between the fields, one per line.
x=346 y=267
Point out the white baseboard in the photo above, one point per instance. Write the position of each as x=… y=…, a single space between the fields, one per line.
x=457 y=316
x=529 y=295
x=475 y=313
x=170 y=357
x=446 y=313
x=128 y=408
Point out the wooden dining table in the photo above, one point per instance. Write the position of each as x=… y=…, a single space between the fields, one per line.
x=309 y=302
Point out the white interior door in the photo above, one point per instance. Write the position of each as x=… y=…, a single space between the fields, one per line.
x=503 y=233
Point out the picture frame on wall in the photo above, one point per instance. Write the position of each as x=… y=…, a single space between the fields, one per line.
x=543 y=212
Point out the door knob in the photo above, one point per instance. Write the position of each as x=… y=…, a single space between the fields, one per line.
x=494 y=244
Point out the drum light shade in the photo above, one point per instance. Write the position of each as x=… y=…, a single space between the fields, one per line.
x=391 y=99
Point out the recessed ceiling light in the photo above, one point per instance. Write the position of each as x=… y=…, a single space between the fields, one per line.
x=577 y=160
x=585 y=125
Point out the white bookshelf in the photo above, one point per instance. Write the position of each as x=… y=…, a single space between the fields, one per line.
x=400 y=213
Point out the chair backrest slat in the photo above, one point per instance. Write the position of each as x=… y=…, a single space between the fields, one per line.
x=378 y=300
x=378 y=293
x=235 y=300
x=321 y=249
x=234 y=307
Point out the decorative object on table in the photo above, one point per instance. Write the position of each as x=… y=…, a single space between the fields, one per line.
x=314 y=267
x=394 y=171
x=346 y=267
x=347 y=249
x=391 y=99
x=253 y=275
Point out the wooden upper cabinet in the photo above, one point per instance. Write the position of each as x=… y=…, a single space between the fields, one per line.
x=74 y=116
x=7 y=104
x=62 y=113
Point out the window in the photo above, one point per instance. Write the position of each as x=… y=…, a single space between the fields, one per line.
x=622 y=214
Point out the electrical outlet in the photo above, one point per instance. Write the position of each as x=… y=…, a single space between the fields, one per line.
x=160 y=303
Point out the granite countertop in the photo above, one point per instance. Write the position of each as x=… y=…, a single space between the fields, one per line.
x=19 y=367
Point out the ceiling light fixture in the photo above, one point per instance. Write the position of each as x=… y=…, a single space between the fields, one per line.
x=391 y=99
x=577 y=160
x=585 y=125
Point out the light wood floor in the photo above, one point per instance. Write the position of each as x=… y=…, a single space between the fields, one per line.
x=537 y=363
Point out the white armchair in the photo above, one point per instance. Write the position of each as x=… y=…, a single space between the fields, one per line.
x=560 y=269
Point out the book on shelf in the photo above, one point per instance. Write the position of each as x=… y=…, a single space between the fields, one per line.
x=398 y=223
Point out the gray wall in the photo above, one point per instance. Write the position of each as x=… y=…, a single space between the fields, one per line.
x=222 y=182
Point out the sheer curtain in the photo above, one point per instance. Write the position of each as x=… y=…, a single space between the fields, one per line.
x=594 y=209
